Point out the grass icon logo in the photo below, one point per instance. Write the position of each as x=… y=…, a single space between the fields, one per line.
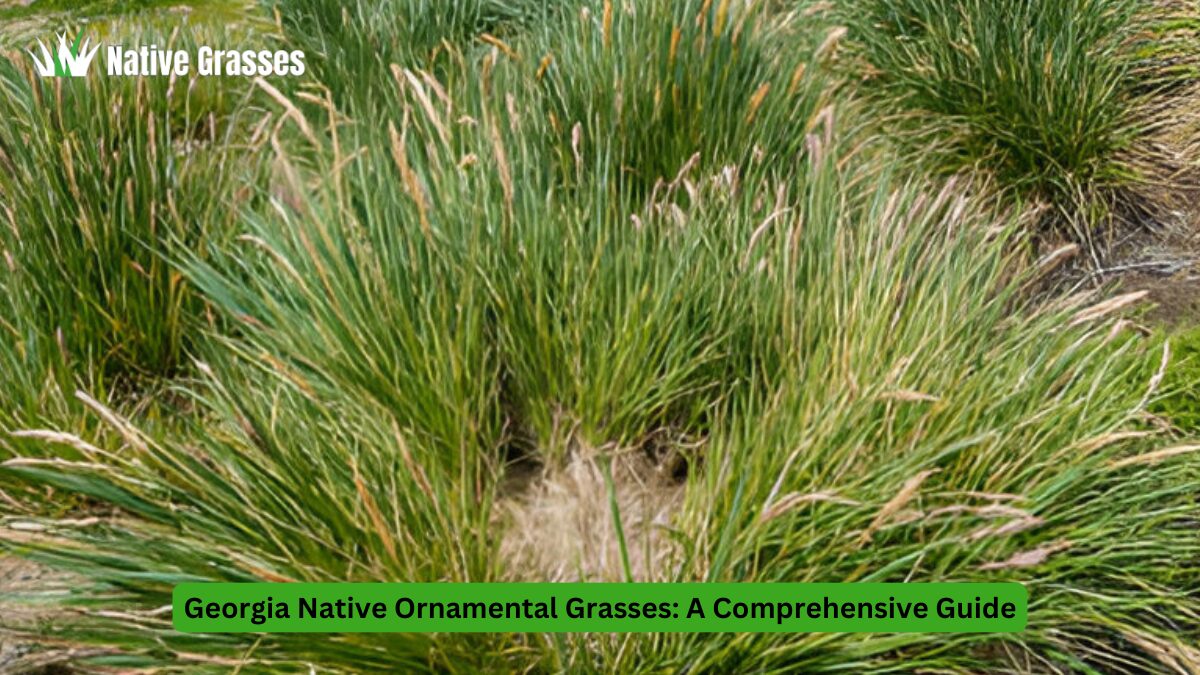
x=72 y=60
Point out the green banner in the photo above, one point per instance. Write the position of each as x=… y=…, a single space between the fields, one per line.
x=599 y=607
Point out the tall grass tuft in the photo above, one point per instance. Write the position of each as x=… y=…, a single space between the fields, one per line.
x=98 y=175
x=351 y=420
x=1086 y=104
x=351 y=46
x=636 y=90
x=932 y=425
x=100 y=179
x=671 y=131
x=275 y=484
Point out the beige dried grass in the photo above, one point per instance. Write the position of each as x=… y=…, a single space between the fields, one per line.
x=561 y=527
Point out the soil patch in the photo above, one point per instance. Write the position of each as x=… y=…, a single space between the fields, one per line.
x=1163 y=260
x=561 y=526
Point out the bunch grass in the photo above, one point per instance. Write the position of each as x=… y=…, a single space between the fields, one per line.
x=1087 y=105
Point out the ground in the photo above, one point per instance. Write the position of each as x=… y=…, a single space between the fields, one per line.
x=1167 y=264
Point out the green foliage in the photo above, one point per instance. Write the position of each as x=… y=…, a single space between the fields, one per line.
x=351 y=428
x=1180 y=403
x=100 y=177
x=30 y=20
x=86 y=8
x=1053 y=98
x=636 y=272
x=650 y=85
x=342 y=434
x=346 y=288
x=352 y=46
x=275 y=484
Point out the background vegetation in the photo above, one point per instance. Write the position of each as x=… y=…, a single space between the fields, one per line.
x=778 y=269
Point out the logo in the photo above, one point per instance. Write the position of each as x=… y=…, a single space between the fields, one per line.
x=74 y=60
x=71 y=60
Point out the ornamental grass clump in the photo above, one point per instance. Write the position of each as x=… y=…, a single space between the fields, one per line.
x=635 y=91
x=351 y=46
x=101 y=178
x=348 y=424
x=932 y=424
x=633 y=311
x=1089 y=105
